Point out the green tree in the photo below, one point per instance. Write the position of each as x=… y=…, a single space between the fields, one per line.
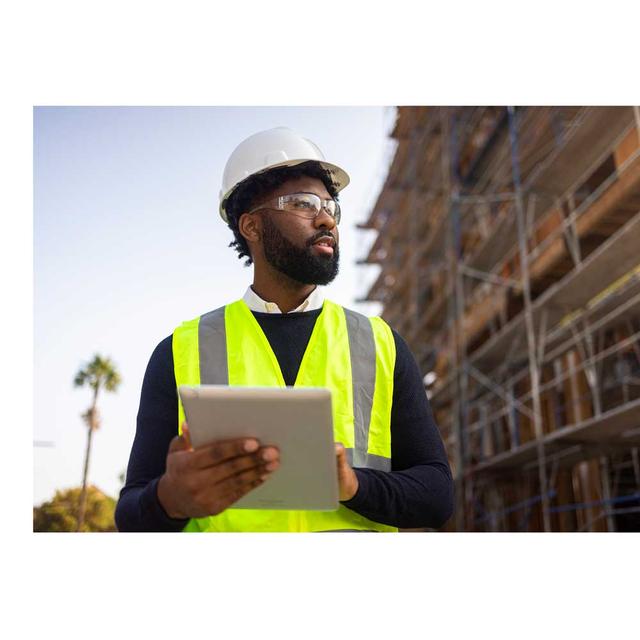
x=61 y=513
x=100 y=373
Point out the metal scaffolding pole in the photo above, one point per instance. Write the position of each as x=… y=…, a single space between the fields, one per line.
x=448 y=133
x=416 y=213
x=459 y=306
x=534 y=370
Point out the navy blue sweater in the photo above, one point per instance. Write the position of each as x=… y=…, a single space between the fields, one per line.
x=416 y=493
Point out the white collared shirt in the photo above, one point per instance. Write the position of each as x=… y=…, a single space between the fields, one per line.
x=256 y=303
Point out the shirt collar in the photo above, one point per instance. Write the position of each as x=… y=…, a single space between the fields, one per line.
x=256 y=303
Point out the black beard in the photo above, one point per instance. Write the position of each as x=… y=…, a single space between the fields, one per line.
x=301 y=265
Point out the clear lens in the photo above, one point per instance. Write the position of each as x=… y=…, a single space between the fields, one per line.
x=307 y=205
x=333 y=209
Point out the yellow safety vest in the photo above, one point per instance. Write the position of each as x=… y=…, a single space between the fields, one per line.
x=352 y=355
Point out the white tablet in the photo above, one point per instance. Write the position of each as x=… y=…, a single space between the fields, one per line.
x=298 y=421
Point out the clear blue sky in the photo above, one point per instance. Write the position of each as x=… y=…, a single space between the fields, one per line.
x=128 y=243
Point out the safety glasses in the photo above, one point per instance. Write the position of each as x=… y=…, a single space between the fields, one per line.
x=306 y=205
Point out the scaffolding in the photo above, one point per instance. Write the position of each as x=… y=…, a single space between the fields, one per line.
x=508 y=241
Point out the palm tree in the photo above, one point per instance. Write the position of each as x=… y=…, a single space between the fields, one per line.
x=98 y=374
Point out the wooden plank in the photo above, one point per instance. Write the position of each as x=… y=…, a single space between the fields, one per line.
x=604 y=427
x=481 y=313
x=598 y=129
x=627 y=146
x=627 y=184
x=564 y=491
x=548 y=259
x=587 y=486
x=550 y=223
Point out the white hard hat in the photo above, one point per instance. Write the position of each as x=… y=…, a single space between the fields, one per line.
x=279 y=147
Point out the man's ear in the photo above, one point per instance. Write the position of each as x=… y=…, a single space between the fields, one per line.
x=249 y=227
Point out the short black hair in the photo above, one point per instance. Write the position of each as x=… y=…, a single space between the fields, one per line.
x=254 y=188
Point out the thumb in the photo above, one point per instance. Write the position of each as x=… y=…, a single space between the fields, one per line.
x=186 y=434
x=181 y=442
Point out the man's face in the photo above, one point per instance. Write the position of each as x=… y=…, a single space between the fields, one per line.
x=290 y=242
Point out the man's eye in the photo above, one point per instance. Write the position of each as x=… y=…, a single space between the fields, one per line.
x=302 y=204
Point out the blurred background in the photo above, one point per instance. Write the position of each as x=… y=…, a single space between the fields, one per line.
x=507 y=242
x=502 y=243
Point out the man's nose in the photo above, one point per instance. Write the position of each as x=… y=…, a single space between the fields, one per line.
x=324 y=220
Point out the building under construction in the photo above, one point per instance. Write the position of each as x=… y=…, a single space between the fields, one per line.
x=509 y=251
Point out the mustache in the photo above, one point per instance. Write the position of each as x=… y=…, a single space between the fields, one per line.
x=322 y=234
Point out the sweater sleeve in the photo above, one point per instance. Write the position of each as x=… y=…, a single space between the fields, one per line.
x=418 y=492
x=138 y=507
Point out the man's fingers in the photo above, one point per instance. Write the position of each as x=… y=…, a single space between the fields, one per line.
x=265 y=460
x=214 y=477
x=215 y=489
x=224 y=450
x=234 y=487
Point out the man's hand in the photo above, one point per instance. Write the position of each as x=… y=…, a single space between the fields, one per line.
x=206 y=481
x=347 y=478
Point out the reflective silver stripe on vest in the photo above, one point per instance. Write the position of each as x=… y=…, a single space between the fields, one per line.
x=371 y=461
x=212 y=345
x=362 y=348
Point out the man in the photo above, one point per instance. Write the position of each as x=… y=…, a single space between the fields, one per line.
x=280 y=199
